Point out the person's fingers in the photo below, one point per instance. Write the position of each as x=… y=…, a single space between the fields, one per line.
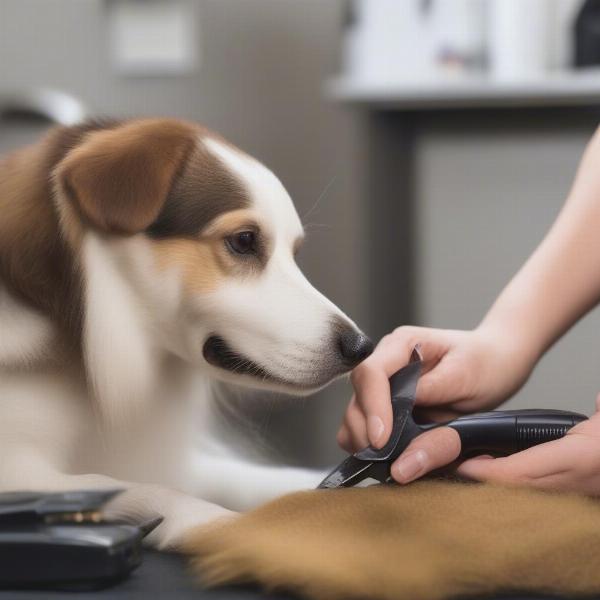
x=431 y=450
x=571 y=463
x=343 y=439
x=356 y=425
x=349 y=441
x=495 y=470
x=371 y=378
x=372 y=388
x=542 y=466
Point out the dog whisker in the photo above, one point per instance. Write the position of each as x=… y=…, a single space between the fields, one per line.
x=311 y=226
x=320 y=198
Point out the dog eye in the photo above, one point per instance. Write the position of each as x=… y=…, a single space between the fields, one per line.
x=243 y=242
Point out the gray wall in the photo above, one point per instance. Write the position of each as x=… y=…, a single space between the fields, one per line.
x=488 y=190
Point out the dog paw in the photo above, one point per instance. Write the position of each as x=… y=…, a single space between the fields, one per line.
x=175 y=530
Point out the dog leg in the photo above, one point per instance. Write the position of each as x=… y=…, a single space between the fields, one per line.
x=138 y=503
x=242 y=485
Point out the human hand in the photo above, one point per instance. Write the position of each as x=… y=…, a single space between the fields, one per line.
x=463 y=371
x=571 y=463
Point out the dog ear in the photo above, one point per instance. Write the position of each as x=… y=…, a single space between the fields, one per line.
x=118 y=179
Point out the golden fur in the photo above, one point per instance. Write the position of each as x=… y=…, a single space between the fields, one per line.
x=426 y=541
x=205 y=262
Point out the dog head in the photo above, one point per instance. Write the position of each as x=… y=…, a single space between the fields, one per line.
x=199 y=238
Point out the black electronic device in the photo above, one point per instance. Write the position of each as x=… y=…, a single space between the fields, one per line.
x=61 y=540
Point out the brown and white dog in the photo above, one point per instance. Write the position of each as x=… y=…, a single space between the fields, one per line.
x=139 y=262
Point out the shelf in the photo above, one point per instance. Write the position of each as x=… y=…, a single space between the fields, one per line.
x=557 y=89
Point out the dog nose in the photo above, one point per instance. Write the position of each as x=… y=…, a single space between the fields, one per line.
x=354 y=346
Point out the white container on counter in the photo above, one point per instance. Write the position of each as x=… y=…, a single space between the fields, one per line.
x=518 y=39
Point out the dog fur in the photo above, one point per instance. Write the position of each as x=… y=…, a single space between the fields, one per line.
x=126 y=292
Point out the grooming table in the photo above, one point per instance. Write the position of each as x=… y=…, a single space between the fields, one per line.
x=165 y=576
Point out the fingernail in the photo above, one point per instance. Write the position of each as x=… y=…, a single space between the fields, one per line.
x=374 y=429
x=410 y=466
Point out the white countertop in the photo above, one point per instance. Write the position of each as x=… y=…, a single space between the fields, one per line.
x=567 y=88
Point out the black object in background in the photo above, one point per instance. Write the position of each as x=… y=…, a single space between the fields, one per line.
x=587 y=35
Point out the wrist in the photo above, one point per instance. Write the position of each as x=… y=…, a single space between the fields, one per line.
x=513 y=343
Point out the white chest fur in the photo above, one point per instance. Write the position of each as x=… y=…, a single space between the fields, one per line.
x=50 y=411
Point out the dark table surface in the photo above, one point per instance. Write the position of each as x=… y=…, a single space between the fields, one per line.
x=160 y=575
x=166 y=576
